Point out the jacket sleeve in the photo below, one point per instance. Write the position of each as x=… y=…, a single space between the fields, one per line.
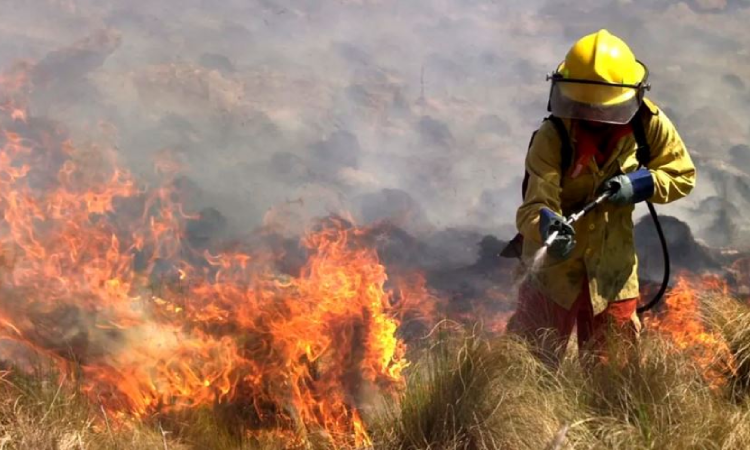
x=671 y=165
x=543 y=163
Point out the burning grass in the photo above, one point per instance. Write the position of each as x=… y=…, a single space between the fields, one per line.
x=42 y=411
x=466 y=391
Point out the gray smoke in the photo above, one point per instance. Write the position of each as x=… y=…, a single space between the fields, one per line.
x=416 y=111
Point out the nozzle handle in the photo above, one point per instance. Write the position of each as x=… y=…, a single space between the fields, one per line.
x=573 y=218
x=587 y=209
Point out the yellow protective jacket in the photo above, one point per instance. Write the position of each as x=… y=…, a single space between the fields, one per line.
x=605 y=251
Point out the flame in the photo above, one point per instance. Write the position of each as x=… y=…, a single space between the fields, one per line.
x=681 y=322
x=415 y=301
x=95 y=274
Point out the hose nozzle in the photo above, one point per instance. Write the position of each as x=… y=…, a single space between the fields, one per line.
x=551 y=238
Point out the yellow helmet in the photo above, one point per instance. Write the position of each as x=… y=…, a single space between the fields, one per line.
x=600 y=80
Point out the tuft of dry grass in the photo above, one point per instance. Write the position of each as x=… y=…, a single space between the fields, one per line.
x=41 y=411
x=469 y=393
x=656 y=397
x=731 y=319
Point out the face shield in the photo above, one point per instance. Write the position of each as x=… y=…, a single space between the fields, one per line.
x=596 y=101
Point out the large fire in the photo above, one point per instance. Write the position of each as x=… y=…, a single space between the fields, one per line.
x=97 y=277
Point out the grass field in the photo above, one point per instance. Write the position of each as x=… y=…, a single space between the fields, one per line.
x=464 y=392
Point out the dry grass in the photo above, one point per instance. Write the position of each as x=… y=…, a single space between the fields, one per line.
x=41 y=412
x=475 y=394
x=471 y=393
x=465 y=393
x=732 y=320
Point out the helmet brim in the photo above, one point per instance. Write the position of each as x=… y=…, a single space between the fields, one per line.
x=565 y=106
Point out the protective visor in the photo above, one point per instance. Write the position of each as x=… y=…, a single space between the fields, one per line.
x=597 y=101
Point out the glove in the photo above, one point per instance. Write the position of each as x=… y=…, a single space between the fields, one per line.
x=630 y=188
x=563 y=244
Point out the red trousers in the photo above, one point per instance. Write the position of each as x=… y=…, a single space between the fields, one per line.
x=548 y=326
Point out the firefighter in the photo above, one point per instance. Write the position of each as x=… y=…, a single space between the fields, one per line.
x=589 y=280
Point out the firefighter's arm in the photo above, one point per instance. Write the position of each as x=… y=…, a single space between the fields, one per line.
x=671 y=166
x=543 y=163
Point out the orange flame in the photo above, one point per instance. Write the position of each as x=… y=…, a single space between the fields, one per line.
x=681 y=322
x=80 y=281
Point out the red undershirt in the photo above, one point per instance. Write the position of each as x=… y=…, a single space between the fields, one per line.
x=596 y=144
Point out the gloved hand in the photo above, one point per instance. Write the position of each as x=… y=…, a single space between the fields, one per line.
x=563 y=244
x=630 y=188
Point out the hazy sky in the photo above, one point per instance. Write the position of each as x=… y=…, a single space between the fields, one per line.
x=421 y=110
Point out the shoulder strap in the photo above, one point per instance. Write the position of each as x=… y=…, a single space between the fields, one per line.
x=566 y=149
x=643 y=151
x=525 y=183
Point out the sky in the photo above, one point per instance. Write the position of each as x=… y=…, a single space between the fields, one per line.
x=419 y=112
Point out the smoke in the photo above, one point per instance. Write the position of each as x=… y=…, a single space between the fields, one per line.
x=418 y=112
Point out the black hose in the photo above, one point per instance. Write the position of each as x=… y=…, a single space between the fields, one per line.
x=665 y=251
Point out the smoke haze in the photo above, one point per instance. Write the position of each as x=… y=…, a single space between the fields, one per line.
x=417 y=112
